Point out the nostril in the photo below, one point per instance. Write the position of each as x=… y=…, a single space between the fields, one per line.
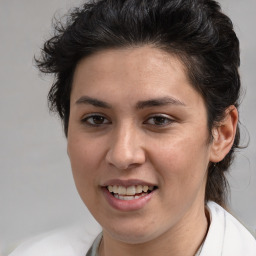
x=125 y=156
x=124 y=166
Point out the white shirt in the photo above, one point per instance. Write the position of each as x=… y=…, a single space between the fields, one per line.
x=226 y=237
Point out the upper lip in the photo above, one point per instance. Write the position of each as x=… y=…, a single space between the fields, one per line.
x=127 y=183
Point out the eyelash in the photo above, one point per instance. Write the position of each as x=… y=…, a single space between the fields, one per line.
x=86 y=119
x=166 y=120
x=90 y=120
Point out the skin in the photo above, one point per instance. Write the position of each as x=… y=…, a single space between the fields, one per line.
x=166 y=145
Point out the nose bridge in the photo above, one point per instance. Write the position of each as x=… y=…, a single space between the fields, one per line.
x=125 y=148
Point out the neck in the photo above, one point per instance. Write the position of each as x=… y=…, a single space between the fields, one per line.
x=183 y=239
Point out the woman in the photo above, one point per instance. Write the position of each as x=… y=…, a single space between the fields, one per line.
x=148 y=94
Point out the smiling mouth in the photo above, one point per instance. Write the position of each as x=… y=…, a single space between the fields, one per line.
x=131 y=192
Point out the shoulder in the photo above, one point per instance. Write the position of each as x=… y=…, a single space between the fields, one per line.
x=226 y=235
x=71 y=241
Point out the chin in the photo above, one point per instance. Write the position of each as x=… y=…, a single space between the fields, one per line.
x=133 y=233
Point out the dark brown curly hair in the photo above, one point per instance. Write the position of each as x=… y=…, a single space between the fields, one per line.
x=195 y=30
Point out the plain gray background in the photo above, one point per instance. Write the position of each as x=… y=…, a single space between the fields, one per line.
x=36 y=186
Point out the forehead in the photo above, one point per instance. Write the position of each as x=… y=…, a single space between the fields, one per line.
x=149 y=56
x=129 y=72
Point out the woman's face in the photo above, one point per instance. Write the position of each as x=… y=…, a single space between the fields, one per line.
x=138 y=142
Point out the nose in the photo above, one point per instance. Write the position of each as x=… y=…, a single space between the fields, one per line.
x=126 y=150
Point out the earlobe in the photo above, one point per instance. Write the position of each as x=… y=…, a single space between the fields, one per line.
x=224 y=134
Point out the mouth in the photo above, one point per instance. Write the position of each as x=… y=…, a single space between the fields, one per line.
x=131 y=192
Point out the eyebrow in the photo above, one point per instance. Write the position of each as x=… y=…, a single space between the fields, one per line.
x=140 y=105
x=92 y=101
x=159 y=102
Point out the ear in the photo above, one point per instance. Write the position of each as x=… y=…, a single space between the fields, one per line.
x=223 y=135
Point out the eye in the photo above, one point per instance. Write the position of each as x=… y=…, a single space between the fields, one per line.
x=159 y=120
x=95 y=120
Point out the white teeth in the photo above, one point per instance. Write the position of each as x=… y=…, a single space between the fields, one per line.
x=115 y=189
x=138 y=189
x=145 y=188
x=127 y=198
x=151 y=188
x=110 y=189
x=121 y=190
x=130 y=191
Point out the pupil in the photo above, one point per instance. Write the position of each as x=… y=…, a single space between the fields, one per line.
x=98 y=119
x=159 y=120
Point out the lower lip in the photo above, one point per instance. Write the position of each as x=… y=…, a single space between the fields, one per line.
x=127 y=205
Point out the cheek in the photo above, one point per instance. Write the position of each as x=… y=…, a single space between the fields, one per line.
x=181 y=161
x=85 y=159
x=83 y=152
